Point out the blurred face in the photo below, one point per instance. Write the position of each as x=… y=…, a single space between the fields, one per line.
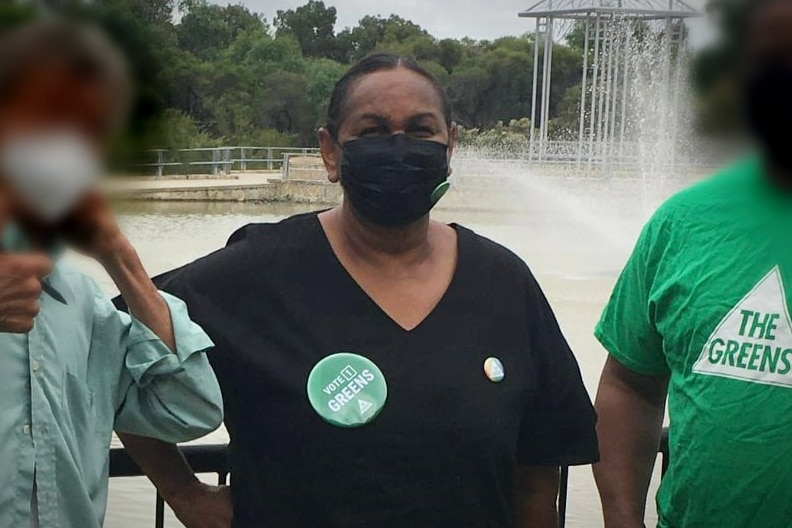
x=50 y=97
x=53 y=129
x=393 y=149
x=767 y=82
x=769 y=35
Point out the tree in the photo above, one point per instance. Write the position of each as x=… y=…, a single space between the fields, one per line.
x=284 y=105
x=377 y=33
x=240 y=19
x=450 y=54
x=470 y=93
x=203 y=31
x=313 y=25
x=159 y=12
x=567 y=74
x=207 y=29
x=510 y=75
x=219 y=73
x=322 y=75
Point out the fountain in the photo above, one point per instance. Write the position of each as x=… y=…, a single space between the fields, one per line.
x=633 y=80
x=632 y=146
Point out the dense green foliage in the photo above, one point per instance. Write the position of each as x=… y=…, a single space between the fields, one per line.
x=209 y=74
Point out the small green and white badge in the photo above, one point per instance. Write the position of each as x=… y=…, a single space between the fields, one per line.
x=493 y=369
x=347 y=390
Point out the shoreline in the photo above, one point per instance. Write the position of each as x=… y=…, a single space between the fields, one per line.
x=271 y=188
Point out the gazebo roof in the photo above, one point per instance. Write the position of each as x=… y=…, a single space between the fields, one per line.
x=644 y=9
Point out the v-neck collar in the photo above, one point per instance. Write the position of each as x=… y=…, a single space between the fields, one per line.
x=444 y=299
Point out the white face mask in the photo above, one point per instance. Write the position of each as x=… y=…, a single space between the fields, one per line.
x=49 y=171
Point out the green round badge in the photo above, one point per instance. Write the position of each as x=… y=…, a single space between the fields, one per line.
x=347 y=390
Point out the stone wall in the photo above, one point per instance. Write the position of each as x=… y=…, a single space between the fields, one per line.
x=308 y=192
x=305 y=168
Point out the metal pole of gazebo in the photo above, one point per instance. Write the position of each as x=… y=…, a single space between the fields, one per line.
x=534 y=93
x=584 y=89
x=594 y=81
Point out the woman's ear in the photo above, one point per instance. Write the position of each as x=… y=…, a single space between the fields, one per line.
x=331 y=154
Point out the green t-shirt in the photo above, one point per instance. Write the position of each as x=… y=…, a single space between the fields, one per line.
x=703 y=298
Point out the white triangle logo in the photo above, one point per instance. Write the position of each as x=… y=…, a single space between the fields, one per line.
x=754 y=341
x=364 y=406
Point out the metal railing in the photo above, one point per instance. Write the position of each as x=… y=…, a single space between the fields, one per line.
x=214 y=459
x=632 y=155
x=202 y=458
x=219 y=160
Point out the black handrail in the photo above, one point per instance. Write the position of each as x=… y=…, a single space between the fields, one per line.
x=214 y=459
x=202 y=458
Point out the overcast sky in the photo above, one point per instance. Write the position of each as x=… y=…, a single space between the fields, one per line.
x=479 y=19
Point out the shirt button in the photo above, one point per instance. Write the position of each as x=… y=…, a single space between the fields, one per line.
x=26 y=430
x=36 y=366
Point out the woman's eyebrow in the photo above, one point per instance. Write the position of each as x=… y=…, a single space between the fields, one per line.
x=380 y=120
x=418 y=118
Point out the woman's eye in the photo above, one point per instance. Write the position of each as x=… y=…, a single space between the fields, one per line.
x=370 y=132
x=422 y=133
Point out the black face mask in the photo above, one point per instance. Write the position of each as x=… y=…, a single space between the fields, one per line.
x=769 y=106
x=394 y=180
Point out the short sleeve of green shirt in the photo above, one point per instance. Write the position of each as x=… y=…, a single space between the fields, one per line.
x=627 y=327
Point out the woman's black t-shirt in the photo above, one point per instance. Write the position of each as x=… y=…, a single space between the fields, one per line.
x=443 y=450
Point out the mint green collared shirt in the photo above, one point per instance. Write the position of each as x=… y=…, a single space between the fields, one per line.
x=85 y=370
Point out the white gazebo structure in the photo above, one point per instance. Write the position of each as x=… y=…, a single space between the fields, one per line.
x=633 y=56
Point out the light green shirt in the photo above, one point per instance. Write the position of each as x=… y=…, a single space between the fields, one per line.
x=84 y=370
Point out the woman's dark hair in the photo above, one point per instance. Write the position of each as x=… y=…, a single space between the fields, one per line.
x=373 y=64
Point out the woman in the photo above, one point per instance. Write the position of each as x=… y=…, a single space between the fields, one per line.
x=379 y=368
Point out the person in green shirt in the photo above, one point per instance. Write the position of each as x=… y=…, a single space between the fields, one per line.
x=72 y=368
x=701 y=316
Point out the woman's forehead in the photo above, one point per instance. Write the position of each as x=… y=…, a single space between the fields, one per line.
x=394 y=93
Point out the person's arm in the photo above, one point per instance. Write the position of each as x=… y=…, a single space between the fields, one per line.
x=535 y=496
x=631 y=408
x=160 y=393
x=196 y=505
x=141 y=296
x=634 y=383
x=92 y=229
x=163 y=385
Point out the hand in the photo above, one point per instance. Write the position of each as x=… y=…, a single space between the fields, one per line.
x=20 y=289
x=92 y=229
x=200 y=505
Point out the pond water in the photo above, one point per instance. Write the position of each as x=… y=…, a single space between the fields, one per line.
x=575 y=234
